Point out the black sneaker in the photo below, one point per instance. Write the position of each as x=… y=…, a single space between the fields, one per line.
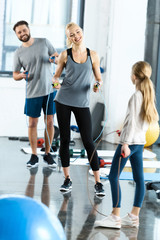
x=33 y=162
x=66 y=186
x=49 y=160
x=99 y=189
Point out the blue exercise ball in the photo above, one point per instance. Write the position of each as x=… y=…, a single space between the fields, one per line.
x=23 y=218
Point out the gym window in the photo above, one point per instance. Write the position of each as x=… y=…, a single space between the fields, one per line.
x=46 y=19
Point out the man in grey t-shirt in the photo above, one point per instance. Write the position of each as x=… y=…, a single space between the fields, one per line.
x=35 y=57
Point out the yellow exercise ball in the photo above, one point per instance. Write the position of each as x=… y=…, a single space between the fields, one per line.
x=152 y=134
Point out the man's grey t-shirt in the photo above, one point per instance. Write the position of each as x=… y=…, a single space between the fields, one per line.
x=35 y=60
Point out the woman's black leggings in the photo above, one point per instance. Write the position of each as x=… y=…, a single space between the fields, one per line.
x=83 y=119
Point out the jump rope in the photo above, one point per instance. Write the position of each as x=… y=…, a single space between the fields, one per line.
x=90 y=160
x=121 y=156
x=95 y=140
x=26 y=72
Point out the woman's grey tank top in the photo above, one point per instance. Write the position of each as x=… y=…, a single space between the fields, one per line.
x=76 y=85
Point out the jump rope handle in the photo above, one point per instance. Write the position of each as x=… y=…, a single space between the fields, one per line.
x=97 y=84
x=53 y=58
x=26 y=72
x=118 y=132
x=119 y=164
x=122 y=155
x=55 y=84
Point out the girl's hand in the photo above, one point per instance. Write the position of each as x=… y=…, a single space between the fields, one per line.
x=126 y=150
x=118 y=132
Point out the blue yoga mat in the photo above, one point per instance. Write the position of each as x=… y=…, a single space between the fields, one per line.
x=147 y=176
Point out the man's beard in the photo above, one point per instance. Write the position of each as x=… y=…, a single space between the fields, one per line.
x=26 y=39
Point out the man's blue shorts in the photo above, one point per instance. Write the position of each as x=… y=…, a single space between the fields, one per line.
x=33 y=106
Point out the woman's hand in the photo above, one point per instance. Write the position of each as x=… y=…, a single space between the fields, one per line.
x=55 y=83
x=96 y=71
x=62 y=59
x=126 y=150
x=97 y=86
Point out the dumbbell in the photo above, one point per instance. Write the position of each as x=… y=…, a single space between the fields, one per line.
x=80 y=152
x=102 y=163
x=40 y=142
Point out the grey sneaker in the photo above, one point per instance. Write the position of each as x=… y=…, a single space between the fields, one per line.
x=33 y=162
x=66 y=186
x=49 y=160
x=99 y=189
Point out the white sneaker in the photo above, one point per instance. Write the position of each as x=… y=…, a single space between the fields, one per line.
x=128 y=221
x=108 y=222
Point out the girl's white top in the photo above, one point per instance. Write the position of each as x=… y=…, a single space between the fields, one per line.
x=134 y=128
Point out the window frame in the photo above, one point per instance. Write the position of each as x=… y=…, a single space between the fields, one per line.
x=7 y=49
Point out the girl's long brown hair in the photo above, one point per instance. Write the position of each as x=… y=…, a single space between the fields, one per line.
x=142 y=71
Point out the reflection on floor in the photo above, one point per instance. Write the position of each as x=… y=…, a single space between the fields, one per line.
x=77 y=211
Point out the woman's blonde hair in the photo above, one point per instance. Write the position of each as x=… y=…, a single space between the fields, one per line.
x=69 y=25
x=142 y=71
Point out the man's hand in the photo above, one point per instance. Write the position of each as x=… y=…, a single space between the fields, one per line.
x=54 y=58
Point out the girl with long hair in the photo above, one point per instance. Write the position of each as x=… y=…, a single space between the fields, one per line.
x=140 y=113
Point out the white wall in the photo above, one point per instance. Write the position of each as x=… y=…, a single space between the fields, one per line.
x=97 y=22
x=121 y=40
x=13 y=122
x=2 y=4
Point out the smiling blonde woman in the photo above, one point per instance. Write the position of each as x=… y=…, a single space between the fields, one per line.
x=80 y=64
